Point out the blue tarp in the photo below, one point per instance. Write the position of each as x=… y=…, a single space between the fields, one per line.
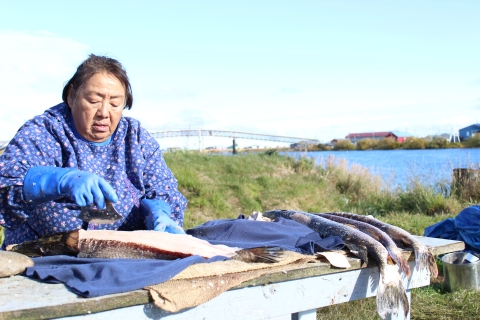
x=96 y=277
x=464 y=227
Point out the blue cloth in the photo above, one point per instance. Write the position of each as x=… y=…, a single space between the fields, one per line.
x=131 y=163
x=95 y=277
x=285 y=233
x=464 y=227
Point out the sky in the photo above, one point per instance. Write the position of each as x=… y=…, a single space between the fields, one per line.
x=308 y=69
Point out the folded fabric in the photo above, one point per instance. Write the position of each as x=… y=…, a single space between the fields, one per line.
x=96 y=277
x=284 y=233
x=464 y=227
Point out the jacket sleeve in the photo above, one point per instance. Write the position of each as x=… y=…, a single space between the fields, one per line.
x=33 y=145
x=160 y=183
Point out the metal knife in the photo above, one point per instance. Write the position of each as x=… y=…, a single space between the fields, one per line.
x=101 y=216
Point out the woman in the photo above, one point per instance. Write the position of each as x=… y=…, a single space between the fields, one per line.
x=83 y=152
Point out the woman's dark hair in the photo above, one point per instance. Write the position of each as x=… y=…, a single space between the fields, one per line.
x=93 y=65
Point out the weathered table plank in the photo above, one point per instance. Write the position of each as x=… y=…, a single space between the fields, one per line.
x=278 y=294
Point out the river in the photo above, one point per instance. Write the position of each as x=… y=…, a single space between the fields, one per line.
x=398 y=166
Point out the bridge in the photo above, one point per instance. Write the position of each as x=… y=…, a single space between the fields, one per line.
x=230 y=134
x=218 y=133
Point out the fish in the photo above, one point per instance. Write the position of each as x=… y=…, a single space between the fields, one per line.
x=139 y=244
x=425 y=261
x=394 y=252
x=391 y=294
x=12 y=263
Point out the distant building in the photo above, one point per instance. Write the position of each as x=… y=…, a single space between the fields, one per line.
x=401 y=136
x=397 y=135
x=467 y=132
x=299 y=145
x=335 y=141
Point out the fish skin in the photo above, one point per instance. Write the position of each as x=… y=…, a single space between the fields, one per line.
x=423 y=257
x=391 y=294
x=12 y=263
x=377 y=234
x=56 y=244
x=107 y=244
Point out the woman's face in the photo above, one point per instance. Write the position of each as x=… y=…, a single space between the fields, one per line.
x=97 y=106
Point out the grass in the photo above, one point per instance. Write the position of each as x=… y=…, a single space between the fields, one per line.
x=226 y=186
x=220 y=187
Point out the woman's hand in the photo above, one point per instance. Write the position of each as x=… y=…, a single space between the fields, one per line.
x=157 y=216
x=42 y=184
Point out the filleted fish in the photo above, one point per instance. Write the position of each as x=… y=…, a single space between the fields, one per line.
x=138 y=245
x=391 y=295
x=377 y=234
x=425 y=261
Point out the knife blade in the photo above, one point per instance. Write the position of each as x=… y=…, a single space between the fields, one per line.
x=101 y=216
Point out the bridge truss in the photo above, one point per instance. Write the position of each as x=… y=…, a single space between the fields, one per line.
x=230 y=134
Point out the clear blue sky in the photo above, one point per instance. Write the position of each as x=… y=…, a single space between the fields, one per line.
x=313 y=69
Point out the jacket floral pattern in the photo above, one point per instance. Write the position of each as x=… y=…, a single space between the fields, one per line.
x=132 y=163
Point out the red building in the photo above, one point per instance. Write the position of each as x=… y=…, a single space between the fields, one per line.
x=397 y=135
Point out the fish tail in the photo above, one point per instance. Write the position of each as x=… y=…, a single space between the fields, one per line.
x=268 y=254
x=402 y=263
x=425 y=260
x=391 y=294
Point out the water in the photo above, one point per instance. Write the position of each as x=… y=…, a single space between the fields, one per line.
x=397 y=166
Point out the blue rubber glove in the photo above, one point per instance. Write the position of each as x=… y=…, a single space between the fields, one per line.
x=157 y=216
x=42 y=184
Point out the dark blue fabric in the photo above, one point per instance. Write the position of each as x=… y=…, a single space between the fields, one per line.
x=96 y=277
x=464 y=227
x=284 y=233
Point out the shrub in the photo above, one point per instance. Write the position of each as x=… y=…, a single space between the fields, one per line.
x=367 y=144
x=415 y=143
x=387 y=144
x=344 y=145
x=472 y=142
x=437 y=143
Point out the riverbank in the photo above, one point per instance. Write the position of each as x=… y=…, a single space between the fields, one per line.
x=220 y=187
x=225 y=187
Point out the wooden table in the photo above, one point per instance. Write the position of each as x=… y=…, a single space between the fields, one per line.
x=295 y=294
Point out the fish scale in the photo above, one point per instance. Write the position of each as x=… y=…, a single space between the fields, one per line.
x=423 y=257
x=377 y=234
x=391 y=295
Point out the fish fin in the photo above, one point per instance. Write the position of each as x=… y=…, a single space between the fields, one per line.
x=425 y=260
x=268 y=254
x=397 y=257
x=391 y=295
x=432 y=265
x=358 y=251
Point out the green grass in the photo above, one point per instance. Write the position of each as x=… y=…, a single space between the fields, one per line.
x=226 y=186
